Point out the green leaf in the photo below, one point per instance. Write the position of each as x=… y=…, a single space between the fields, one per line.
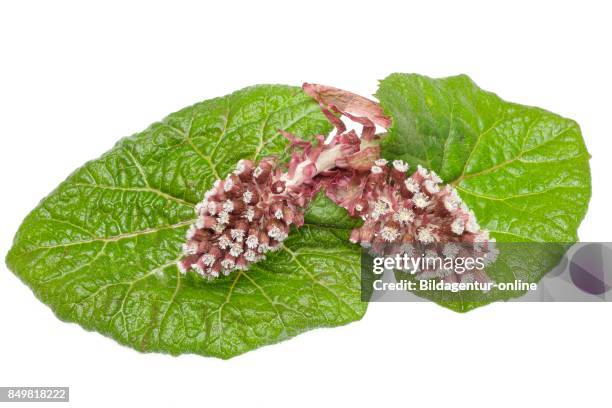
x=523 y=170
x=100 y=249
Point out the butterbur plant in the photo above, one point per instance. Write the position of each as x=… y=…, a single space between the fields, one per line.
x=238 y=222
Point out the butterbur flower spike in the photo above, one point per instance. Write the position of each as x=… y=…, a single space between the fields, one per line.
x=251 y=211
x=414 y=214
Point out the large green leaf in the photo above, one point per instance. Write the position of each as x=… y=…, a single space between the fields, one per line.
x=101 y=249
x=523 y=170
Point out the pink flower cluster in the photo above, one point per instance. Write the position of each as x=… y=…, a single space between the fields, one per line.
x=250 y=212
x=403 y=213
x=411 y=214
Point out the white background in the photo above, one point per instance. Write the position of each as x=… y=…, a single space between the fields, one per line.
x=76 y=77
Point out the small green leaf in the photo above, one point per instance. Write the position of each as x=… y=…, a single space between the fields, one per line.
x=101 y=249
x=523 y=170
